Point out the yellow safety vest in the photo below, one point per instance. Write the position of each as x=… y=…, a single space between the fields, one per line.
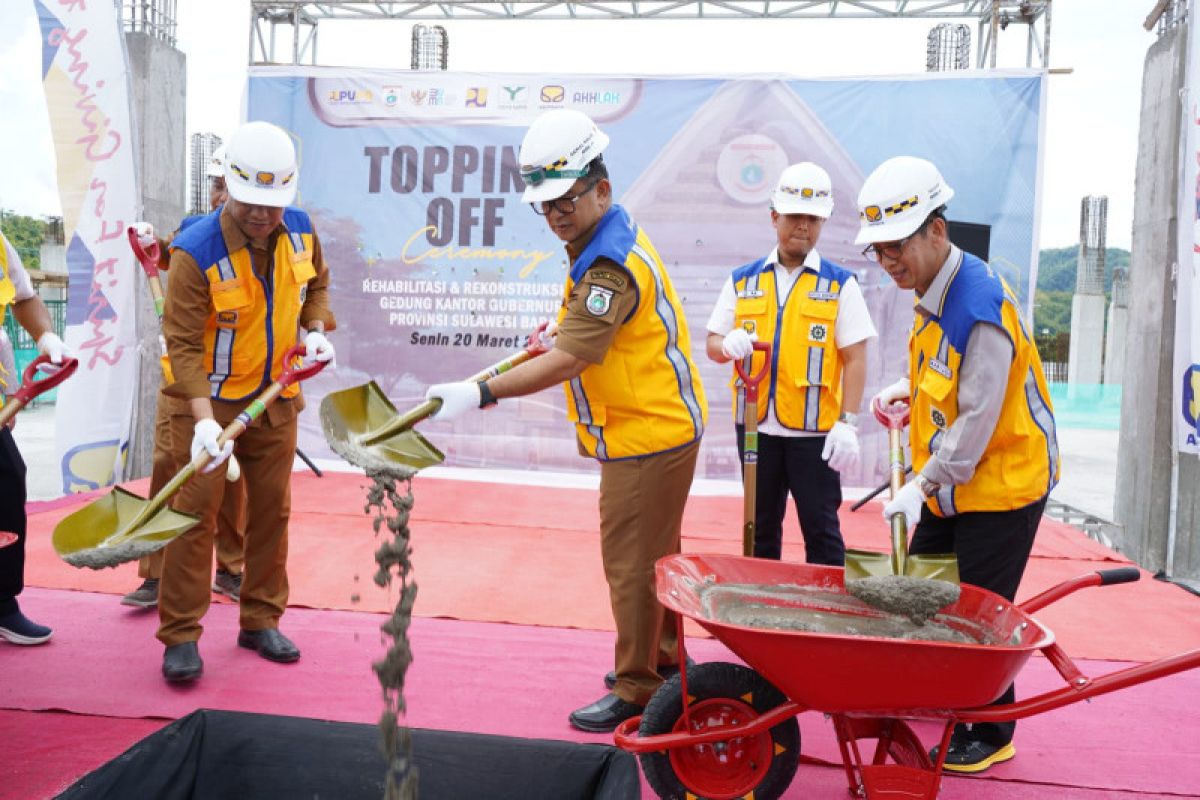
x=253 y=320
x=1021 y=461
x=646 y=397
x=8 y=291
x=806 y=367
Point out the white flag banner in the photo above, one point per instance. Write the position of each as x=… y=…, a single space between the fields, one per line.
x=85 y=76
x=1187 y=309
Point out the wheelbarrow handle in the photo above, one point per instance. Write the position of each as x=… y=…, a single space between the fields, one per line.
x=893 y=415
x=1103 y=577
x=752 y=381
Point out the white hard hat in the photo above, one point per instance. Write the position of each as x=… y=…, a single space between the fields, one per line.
x=216 y=164
x=804 y=188
x=897 y=197
x=556 y=151
x=260 y=165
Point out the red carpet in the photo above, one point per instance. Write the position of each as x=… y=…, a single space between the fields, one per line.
x=487 y=554
x=520 y=681
x=531 y=556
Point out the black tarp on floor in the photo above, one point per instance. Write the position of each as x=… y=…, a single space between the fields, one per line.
x=226 y=755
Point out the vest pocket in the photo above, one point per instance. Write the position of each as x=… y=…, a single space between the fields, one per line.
x=303 y=270
x=230 y=295
x=935 y=384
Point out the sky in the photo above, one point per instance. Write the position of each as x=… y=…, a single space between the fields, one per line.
x=1092 y=114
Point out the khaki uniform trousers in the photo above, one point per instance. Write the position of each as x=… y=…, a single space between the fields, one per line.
x=266 y=451
x=641 y=515
x=231 y=520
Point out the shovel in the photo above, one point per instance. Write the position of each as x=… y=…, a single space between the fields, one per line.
x=750 y=446
x=363 y=427
x=865 y=563
x=122 y=526
x=31 y=386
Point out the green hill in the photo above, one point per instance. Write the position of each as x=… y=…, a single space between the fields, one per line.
x=1056 y=284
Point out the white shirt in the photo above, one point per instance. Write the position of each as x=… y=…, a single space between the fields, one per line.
x=17 y=273
x=851 y=326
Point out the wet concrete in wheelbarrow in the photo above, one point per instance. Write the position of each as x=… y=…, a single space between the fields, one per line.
x=815 y=610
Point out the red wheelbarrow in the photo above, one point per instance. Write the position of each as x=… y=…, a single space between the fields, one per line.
x=737 y=735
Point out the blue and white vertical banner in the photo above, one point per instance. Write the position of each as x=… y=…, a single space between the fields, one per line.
x=438 y=269
x=1187 y=296
x=85 y=76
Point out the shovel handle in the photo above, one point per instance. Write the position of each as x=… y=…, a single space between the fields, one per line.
x=253 y=411
x=32 y=386
x=751 y=381
x=403 y=422
x=893 y=415
x=149 y=258
x=536 y=346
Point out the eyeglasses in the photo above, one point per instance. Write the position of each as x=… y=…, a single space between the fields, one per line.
x=877 y=252
x=564 y=204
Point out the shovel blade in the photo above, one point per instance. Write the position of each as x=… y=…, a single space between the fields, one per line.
x=101 y=534
x=350 y=416
x=867 y=564
x=941 y=567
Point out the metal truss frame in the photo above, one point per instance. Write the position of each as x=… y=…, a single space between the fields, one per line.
x=300 y=18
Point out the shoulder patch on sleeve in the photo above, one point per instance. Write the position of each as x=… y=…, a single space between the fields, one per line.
x=602 y=275
x=599 y=300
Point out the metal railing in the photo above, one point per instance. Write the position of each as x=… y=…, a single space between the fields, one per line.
x=154 y=17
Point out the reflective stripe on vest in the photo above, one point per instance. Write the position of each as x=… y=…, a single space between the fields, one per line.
x=1020 y=463
x=646 y=397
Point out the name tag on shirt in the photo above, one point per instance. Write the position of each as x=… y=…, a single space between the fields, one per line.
x=939 y=368
x=746 y=294
x=822 y=296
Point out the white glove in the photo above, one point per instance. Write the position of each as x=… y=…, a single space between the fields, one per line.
x=738 y=344
x=908 y=501
x=145 y=234
x=456 y=398
x=317 y=347
x=48 y=344
x=234 y=470
x=841 y=447
x=546 y=337
x=900 y=390
x=204 y=437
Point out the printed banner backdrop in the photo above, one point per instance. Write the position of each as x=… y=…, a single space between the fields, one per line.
x=85 y=75
x=439 y=270
x=1187 y=297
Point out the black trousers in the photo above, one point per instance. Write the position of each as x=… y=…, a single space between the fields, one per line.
x=12 y=519
x=793 y=464
x=992 y=548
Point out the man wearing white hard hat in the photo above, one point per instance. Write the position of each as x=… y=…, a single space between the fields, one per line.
x=230 y=537
x=622 y=355
x=246 y=284
x=813 y=314
x=982 y=430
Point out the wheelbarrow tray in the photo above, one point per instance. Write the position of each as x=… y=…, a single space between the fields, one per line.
x=839 y=673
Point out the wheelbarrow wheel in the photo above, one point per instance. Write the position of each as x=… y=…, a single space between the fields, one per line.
x=759 y=766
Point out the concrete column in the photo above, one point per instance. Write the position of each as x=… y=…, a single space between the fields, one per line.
x=1144 y=454
x=158 y=84
x=1087 y=337
x=1118 y=328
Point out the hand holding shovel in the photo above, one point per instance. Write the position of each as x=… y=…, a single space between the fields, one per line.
x=122 y=527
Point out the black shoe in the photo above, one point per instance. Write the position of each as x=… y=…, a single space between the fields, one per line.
x=228 y=584
x=972 y=755
x=145 y=596
x=181 y=662
x=20 y=629
x=605 y=714
x=270 y=644
x=665 y=671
